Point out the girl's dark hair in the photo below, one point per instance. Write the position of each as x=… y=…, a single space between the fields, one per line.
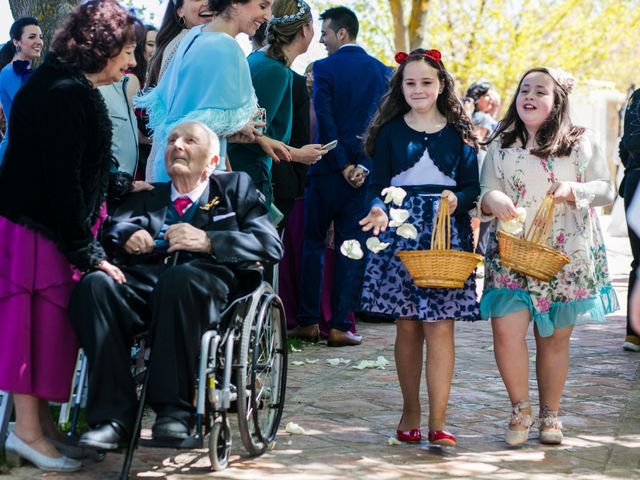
x=281 y=34
x=557 y=136
x=93 y=33
x=169 y=29
x=8 y=50
x=140 y=70
x=393 y=103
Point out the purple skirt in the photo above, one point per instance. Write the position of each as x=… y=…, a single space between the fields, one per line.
x=38 y=347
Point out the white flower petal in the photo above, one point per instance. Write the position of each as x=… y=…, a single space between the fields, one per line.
x=394 y=441
x=311 y=362
x=294 y=429
x=381 y=362
x=398 y=216
x=406 y=230
x=515 y=226
x=334 y=362
x=297 y=363
x=394 y=194
x=351 y=249
x=375 y=245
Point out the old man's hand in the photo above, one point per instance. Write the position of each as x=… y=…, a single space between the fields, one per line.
x=187 y=238
x=139 y=243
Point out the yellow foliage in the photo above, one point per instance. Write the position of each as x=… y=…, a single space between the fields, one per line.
x=498 y=40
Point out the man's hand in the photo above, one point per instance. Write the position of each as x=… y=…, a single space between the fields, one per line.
x=377 y=219
x=187 y=238
x=453 y=200
x=355 y=176
x=139 y=243
x=562 y=192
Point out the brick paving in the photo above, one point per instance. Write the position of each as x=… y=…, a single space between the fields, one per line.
x=350 y=414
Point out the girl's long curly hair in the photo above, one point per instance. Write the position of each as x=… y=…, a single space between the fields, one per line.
x=393 y=103
x=557 y=136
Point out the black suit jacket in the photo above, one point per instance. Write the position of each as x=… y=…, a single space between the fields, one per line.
x=239 y=227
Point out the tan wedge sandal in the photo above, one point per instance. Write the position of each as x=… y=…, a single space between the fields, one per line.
x=517 y=436
x=550 y=427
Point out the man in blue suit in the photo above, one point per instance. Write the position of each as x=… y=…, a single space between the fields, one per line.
x=348 y=85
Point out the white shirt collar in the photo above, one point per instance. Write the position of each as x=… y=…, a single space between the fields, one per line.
x=347 y=45
x=193 y=195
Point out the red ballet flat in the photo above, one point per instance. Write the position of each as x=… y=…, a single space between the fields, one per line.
x=414 y=435
x=440 y=437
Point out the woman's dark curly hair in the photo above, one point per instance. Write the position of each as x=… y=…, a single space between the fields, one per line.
x=393 y=103
x=93 y=33
x=557 y=136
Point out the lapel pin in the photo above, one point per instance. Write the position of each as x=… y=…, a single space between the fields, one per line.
x=214 y=201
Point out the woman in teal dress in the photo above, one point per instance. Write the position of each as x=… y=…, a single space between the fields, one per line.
x=289 y=35
x=208 y=80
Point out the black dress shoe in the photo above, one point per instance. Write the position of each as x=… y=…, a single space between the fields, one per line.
x=168 y=428
x=108 y=436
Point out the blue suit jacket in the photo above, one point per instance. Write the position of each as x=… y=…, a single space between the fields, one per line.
x=347 y=87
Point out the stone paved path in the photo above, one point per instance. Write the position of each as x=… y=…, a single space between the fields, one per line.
x=350 y=414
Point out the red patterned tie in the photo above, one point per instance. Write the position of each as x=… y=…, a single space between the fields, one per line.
x=181 y=204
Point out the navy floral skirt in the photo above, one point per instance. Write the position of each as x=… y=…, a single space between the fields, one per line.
x=388 y=288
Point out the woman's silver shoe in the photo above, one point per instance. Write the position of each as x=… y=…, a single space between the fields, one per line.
x=517 y=437
x=22 y=450
x=550 y=427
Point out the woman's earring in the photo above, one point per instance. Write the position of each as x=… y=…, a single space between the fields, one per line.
x=182 y=21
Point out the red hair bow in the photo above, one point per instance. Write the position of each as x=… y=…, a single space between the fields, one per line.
x=434 y=55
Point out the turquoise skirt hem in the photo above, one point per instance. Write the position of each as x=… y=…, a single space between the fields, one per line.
x=498 y=302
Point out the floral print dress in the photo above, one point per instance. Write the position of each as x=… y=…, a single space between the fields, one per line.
x=581 y=291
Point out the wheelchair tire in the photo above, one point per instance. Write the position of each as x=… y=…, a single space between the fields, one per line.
x=219 y=443
x=262 y=374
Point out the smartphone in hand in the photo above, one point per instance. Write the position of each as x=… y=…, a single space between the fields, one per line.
x=261 y=117
x=330 y=145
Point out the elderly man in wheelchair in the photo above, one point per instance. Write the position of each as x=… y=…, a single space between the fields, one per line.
x=181 y=252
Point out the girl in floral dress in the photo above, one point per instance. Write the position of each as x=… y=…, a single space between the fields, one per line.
x=422 y=142
x=537 y=151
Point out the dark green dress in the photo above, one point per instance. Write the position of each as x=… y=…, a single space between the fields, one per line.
x=272 y=81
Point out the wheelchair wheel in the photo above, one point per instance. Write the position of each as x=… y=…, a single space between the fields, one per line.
x=262 y=375
x=219 y=443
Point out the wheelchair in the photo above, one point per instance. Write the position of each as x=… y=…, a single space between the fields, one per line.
x=242 y=364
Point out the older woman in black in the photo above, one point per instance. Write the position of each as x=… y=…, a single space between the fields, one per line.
x=54 y=181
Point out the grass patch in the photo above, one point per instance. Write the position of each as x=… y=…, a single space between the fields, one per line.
x=298 y=344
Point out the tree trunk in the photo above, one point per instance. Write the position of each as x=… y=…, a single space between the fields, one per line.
x=399 y=30
x=417 y=22
x=48 y=12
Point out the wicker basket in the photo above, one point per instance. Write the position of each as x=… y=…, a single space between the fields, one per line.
x=529 y=255
x=440 y=267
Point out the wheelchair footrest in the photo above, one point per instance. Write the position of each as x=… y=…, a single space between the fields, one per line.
x=189 y=443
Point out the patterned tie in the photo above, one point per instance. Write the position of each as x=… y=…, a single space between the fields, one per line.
x=181 y=204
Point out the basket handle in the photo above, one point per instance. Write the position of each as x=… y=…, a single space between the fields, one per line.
x=539 y=230
x=441 y=234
